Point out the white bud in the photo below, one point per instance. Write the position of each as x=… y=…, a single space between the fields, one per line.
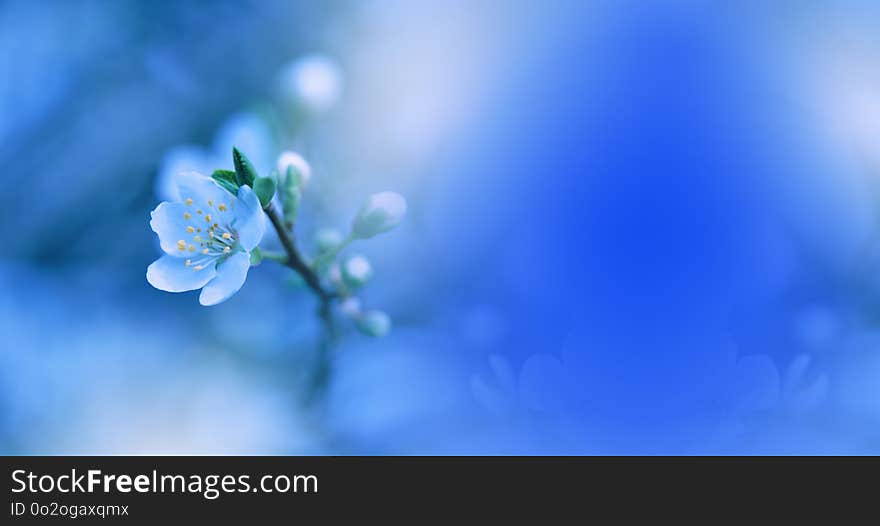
x=381 y=213
x=300 y=166
x=374 y=323
x=313 y=81
x=351 y=307
x=356 y=271
x=327 y=239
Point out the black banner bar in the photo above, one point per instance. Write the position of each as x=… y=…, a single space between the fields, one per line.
x=150 y=490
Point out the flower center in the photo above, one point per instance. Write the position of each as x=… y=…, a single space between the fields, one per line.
x=212 y=237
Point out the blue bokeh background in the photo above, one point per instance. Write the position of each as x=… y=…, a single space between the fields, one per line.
x=634 y=227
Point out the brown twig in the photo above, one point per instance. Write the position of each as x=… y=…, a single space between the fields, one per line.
x=295 y=261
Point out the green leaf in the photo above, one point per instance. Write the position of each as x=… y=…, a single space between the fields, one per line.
x=245 y=173
x=226 y=179
x=264 y=187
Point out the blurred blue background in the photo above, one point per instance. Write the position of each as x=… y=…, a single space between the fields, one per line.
x=633 y=228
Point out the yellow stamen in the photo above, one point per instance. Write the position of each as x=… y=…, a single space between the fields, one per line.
x=226 y=250
x=222 y=207
x=188 y=262
x=197 y=239
x=191 y=248
x=190 y=229
x=186 y=215
x=205 y=251
x=227 y=235
x=210 y=203
x=198 y=267
x=208 y=218
x=199 y=211
x=181 y=245
x=189 y=201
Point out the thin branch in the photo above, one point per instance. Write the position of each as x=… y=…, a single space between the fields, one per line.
x=294 y=260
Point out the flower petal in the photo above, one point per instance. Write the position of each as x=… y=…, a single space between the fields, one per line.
x=203 y=191
x=180 y=160
x=230 y=277
x=250 y=221
x=170 y=222
x=172 y=275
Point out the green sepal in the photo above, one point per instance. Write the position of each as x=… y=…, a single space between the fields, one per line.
x=291 y=194
x=226 y=179
x=245 y=174
x=264 y=187
x=256 y=256
x=294 y=177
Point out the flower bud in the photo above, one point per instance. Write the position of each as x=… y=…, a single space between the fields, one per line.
x=381 y=213
x=327 y=239
x=351 y=307
x=301 y=169
x=374 y=323
x=356 y=271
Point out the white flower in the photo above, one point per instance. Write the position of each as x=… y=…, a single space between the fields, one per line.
x=381 y=213
x=207 y=238
x=314 y=81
